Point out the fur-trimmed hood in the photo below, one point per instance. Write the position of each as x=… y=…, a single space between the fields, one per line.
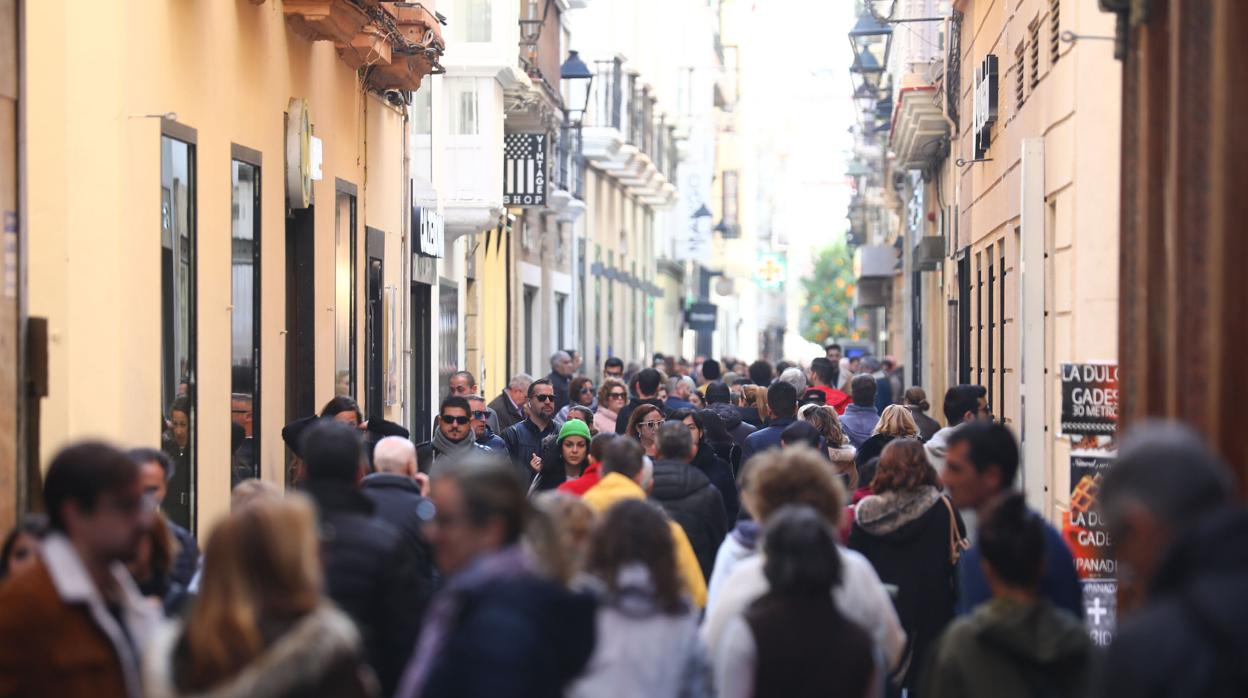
x=881 y=514
x=320 y=642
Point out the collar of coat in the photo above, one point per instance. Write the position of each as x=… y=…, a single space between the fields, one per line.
x=299 y=658
x=880 y=514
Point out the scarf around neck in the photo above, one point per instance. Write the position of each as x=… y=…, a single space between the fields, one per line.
x=452 y=449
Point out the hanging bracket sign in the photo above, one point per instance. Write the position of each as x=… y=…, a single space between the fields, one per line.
x=1089 y=398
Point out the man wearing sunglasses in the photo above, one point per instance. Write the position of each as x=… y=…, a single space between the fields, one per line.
x=481 y=427
x=453 y=438
x=524 y=439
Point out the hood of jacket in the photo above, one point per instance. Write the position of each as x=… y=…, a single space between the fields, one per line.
x=746 y=533
x=612 y=488
x=298 y=659
x=891 y=513
x=1029 y=632
x=676 y=480
x=729 y=415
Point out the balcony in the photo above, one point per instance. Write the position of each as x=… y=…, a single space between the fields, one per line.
x=416 y=34
x=327 y=20
x=627 y=137
x=920 y=131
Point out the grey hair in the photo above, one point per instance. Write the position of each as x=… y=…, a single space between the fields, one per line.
x=394 y=454
x=520 y=381
x=675 y=441
x=796 y=378
x=559 y=356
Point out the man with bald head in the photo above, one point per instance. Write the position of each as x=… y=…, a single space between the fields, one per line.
x=400 y=496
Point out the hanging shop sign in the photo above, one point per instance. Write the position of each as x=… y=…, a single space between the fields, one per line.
x=770 y=272
x=1086 y=535
x=701 y=317
x=430 y=229
x=984 y=104
x=1089 y=398
x=524 y=169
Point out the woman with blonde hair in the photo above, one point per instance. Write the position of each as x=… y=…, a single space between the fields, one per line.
x=896 y=422
x=840 y=452
x=260 y=626
x=755 y=399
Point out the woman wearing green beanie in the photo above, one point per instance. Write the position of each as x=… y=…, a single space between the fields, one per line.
x=566 y=458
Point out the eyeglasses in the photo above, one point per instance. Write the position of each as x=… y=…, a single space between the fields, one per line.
x=480 y=414
x=454 y=419
x=544 y=398
x=617 y=396
x=651 y=425
x=589 y=390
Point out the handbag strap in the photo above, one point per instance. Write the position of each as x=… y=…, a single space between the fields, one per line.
x=957 y=544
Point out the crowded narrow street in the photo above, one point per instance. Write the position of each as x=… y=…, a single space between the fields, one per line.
x=623 y=348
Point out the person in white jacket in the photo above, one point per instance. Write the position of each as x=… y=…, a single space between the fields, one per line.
x=801 y=476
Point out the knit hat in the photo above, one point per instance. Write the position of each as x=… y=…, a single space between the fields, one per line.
x=574 y=427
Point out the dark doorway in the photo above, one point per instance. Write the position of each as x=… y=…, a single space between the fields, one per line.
x=374 y=325
x=964 y=319
x=300 y=317
x=422 y=360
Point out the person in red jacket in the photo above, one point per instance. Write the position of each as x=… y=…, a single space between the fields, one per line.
x=822 y=376
x=593 y=473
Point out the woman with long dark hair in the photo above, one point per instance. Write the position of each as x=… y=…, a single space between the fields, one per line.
x=643 y=425
x=910 y=534
x=566 y=457
x=647 y=640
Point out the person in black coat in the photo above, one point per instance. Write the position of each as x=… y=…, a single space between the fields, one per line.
x=398 y=500
x=508 y=405
x=687 y=495
x=645 y=391
x=720 y=440
x=904 y=530
x=560 y=377
x=370 y=571
x=524 y=438
x=782 y=402
x=716 y=469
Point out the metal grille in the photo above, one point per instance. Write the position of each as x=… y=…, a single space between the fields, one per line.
x=1035 y=55
x=953 y=75
x=1020 y=68
x=1055 y=30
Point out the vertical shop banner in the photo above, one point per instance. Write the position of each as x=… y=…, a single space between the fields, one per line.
x=1089 y=398
x=1085 y=533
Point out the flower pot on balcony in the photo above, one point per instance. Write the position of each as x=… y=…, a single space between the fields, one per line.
x=325 y=20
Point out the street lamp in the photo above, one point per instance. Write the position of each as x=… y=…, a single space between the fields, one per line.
x=578 y=79
x=702 y=212
x=869 y=67
x=868 y=31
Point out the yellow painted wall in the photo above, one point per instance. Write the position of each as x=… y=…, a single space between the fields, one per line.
x=227 y=68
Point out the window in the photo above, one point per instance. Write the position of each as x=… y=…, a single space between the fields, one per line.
x=177 y=337
x=1055 y=31
x=464 y=105
x=1001 y=333
x=344 y=293
x=245 y=323
x=530 y=299
x=1035 y=54
x=470 y=21
x=1020 y=96
x=991 y=321
x=448 y=335
x=561 y=318
x=422 y=130
x=979 y=319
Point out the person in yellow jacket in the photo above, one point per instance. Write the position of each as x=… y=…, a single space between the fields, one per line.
x=625 y=476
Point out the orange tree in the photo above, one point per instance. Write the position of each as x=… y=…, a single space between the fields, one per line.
x=829 y=310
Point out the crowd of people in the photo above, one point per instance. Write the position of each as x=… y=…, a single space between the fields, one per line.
x=691 y=529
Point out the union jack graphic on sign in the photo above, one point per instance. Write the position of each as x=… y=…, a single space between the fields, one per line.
x=524 y=169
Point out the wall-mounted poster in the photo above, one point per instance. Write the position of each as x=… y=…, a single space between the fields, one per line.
x=1089 y=542
x=1089 y=398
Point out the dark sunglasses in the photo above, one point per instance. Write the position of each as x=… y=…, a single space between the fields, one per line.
x=544 y=398
x=480 y=414
x=449 y=418
x=617 y=395
x=587 y=391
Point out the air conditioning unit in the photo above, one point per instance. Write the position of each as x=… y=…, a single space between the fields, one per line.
x=873 y=292
x=929 y=252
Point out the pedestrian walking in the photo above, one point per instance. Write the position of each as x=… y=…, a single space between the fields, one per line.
x=782 y=406
x=496 y=628
x=912 y=536
x=836 y=445
x=980 y=465
x=566 y=458
x=894 y=423
x=453 y=438
x=705 y=459
x=260 y=625
x=73 y=624
x=370 y=572
x=916 y=402
x=560 y=377
x=720 y=440
x=754 y=406
x=612 y=396
x=645 y=387
x=401 y=499
x=1177 y=527
x=720 y=399
x=1017 y=644
x=860 y=417
x=580 y=394
x=508 y=406
x=643 y=425
x=176 y=443
x=793 y=641
x=152 y=567
x=464 y=384
x=485 y=434
x=342 y=408
x=627 y=474
x=963 y=404
x=154 y=470
x=823 y=379
x=613 y=367
x=799 y=475
x=687 y=494
x=20 y=549
x=524 y=438
x=647 y=628
x=593 y=473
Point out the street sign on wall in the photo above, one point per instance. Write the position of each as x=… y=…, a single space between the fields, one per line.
x=701 y=317
x=984 y=104
x=524 y=169
x=1089 y=398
